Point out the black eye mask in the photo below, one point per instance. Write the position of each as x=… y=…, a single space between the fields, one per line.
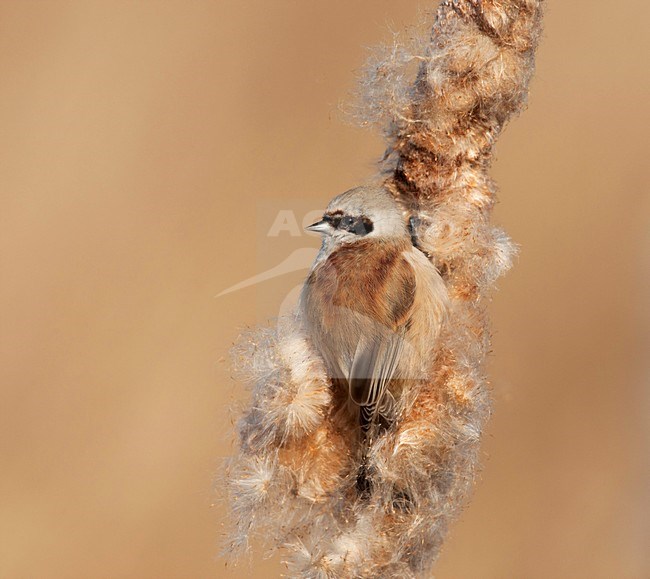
x=358 y=225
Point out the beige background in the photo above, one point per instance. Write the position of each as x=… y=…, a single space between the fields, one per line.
x=146 y=147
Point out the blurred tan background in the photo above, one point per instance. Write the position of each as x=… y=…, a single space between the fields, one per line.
x=146 y=149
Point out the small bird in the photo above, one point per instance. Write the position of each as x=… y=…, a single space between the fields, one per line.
x=372 y=305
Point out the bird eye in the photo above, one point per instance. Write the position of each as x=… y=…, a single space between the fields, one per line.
x=347 y=222
x=357 y=225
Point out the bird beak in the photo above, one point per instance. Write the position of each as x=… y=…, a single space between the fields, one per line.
x=320 y=227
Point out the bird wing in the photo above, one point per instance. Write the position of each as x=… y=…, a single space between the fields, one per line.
x=359 y=304
x=381 y=344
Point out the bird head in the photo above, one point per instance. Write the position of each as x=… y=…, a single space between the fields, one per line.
x=360 y=213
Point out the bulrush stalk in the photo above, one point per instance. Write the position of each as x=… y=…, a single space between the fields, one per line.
x=292 y=482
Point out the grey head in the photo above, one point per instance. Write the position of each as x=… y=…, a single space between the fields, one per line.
x=359 y=213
